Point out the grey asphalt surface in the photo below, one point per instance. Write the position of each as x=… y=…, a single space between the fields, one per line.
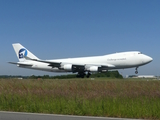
x=36 y=116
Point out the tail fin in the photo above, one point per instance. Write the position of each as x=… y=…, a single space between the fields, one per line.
x=22 y=52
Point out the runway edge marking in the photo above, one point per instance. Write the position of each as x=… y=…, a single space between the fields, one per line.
x=42 y=114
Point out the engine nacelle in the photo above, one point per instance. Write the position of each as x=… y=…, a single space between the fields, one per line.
x=93 y=69
x=67 y=67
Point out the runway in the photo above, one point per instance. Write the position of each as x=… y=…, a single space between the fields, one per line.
x=36 y=116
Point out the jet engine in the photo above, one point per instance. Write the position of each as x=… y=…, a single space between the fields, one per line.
x=67 y=67
x=94 y=69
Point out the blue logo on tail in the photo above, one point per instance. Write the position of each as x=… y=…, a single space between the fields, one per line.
x=22 y=53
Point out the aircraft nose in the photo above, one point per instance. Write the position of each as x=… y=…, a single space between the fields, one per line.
x=148 y=59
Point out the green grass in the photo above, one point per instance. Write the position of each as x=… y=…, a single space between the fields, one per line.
x=99 y=97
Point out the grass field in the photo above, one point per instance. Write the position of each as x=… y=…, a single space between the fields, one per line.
x=133 y=98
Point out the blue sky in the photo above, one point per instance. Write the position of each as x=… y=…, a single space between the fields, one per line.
x=73 y=28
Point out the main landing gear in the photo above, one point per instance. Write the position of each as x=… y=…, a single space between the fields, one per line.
x=83 y=74
x=88 y=75
x=136 y=72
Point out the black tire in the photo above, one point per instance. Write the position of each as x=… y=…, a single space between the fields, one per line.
x=136 y=72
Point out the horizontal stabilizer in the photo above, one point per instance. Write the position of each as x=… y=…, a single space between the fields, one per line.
x=20 y=64
x=13 y=63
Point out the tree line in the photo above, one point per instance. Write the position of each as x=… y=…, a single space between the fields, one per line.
x=111 y=74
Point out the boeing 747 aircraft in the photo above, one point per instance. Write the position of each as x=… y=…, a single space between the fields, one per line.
x=84 y=66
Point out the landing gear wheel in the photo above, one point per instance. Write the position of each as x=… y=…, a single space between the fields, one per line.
x=88 y=75
x=81 y=75
x=136 y=72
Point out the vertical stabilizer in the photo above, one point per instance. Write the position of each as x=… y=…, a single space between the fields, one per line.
x=22 y=52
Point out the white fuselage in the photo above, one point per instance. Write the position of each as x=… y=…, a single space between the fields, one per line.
x=120 y=60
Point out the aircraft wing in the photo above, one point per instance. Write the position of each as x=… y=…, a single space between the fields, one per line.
x=59 y=64
x=75 y=67
x=52 y=64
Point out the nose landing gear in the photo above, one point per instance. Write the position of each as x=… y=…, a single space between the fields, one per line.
x=136 y=72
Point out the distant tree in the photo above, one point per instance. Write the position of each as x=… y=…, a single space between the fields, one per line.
x=32 y=77
x=112 y=74
x=46 y=77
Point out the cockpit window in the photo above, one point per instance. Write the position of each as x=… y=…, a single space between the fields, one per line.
x=139 y=53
